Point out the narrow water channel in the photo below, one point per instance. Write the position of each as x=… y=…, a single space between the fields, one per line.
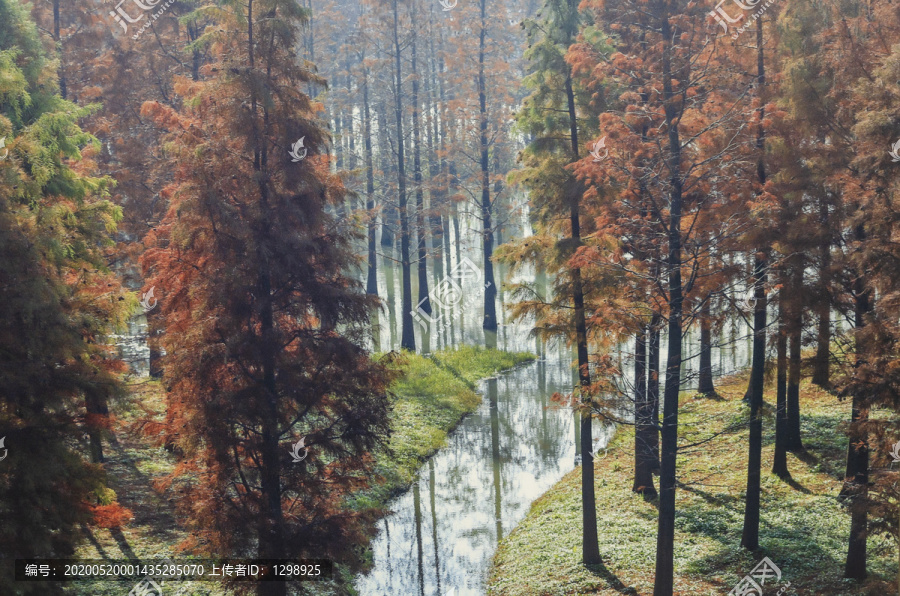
x=444 y=531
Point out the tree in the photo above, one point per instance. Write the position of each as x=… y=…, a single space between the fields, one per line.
x=553 y=114
x=255 y=292
x=58 y=304
x=678 y=136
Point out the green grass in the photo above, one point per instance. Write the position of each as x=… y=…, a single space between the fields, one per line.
x=428 y=400
x=803 y=528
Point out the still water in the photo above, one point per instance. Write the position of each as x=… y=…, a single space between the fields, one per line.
x=474 y=491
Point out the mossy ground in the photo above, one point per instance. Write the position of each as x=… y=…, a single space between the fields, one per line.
x=803 y=528
x=430 y=398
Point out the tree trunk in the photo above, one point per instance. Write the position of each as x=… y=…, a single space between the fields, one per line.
x=407 y=336
x=795 y=330
x=63 y=86
x=821 y=372
x=372 y=274
x=590 y=546
x=489 y=322
x=98 y=409
x=645 y=426
x=706 y=386
x=422 y=254
x=665 y=539
x=856 y=480
x=271 y=521
x=779 y=465
x=750 y=534
x=653 y=386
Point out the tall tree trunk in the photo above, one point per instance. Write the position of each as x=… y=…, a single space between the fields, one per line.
x=795 y=331
x=372 y=273
x=779 y=464
x=665 y=539
x=271 y=523
x=407 y=336
x=821 y=364
x=421 y=254
x=489 y=322
x=643 y=420
x=589 y=541
x=821 y=372
x=706 y=387
x=750 y=534
x=653 y=386
x=435 y=173
x=856 y=480
x=389 y=215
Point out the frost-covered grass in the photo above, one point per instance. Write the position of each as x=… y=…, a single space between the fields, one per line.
x=803 y=528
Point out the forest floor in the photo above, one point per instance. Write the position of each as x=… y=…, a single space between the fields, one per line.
x=803 y=528
x=429 y=400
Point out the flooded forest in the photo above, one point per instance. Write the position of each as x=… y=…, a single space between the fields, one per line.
x=449 y=297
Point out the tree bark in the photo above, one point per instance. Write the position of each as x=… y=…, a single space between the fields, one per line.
x=424 y=303
x=653 y=386
x=645 y=426
x=665 y=539
x=795 y=330
x=372 y=273
x=706 y=385
x=63 y=85
x=489 y=322
x=271 y=520
x=589 y=543
x=750 y=533
x=779 y=464
x=856 y=479
x=407 y=335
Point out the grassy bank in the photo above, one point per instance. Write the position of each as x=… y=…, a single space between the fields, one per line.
x=428 y=400
x=803 y=528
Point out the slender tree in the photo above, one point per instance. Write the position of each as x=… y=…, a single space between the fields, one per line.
x=252 y=268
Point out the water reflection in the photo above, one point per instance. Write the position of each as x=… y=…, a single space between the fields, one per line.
x=501 y=458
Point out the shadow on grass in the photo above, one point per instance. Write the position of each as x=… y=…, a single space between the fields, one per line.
x=124 y=546
x=610 y=578
x=796 y=486
x=89 y=534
